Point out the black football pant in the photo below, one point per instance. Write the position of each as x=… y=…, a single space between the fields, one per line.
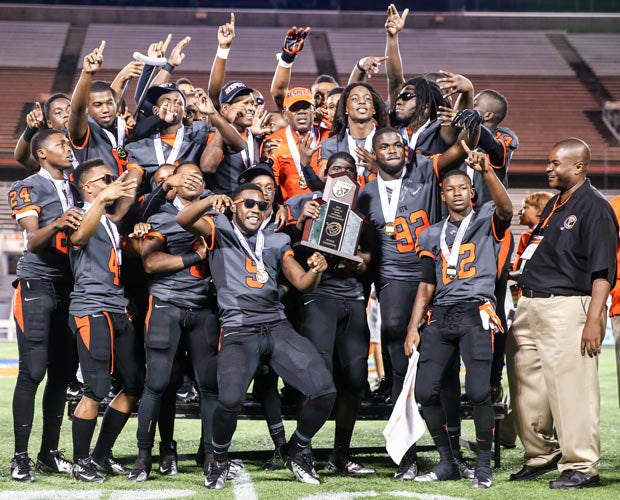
x=166 y=327
x=293 y=358
x=396 y=300
x=454 y=329
x=45 y=343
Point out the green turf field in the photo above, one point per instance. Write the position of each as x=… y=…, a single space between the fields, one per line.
x=279 y=485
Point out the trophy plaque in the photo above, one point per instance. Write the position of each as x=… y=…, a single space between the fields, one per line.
x=336 y=232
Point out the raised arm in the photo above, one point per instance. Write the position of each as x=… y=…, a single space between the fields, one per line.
x=225 y=38
x=365 y=68
x=78 y=117
x=394 y=65
x=293 y=44
x=191 y=217
x=35 y=121
x=156 y=259
x=230 y=136
x=455 y=155
x=452 y=84
x=305 y=281
x=131 y=70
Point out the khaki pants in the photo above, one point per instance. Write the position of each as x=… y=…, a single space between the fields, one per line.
x=615 y=326
x=553 y=389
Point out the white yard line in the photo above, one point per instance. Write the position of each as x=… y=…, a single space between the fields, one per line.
x=243 y=488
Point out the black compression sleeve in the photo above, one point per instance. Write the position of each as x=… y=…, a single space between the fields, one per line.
x=428 y=271
x=491 y=146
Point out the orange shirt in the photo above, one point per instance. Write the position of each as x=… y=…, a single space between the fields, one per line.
x=284 y=169
x=614 y=310
x=523 y=241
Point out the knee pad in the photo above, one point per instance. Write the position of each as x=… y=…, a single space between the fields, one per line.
x=478 y=396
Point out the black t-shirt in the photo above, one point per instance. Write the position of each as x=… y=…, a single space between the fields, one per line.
x=579 y=242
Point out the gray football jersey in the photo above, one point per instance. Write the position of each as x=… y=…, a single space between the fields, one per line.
x=481 y=255
x=97 y=277
x=188 y=287
x=224 y=180
x=143 y=153
x=38 y=194
x=331 y=285
x=419 y=206
x=242 y=299
x=96 y=145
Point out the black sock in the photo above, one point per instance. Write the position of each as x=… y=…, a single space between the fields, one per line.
x=111 y=426
x=342 y=442
x=53 y=412
x=167 y=410
x=82 y=431
x=315 y=413
x=484 y=420
x=454 y=434
x=208 y=403
x=277 y=433
x=297 y=443
x=224 y=425
x=435 y=421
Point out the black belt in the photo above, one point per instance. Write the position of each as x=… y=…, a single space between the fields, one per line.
x=533 y=294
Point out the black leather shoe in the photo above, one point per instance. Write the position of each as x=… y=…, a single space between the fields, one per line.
x=529 y=472
x=574 y=479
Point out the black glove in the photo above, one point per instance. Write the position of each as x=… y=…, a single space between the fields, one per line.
x=293 y=43
x=468 y=119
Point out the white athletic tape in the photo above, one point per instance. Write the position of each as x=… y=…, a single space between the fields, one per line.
x=243 y=488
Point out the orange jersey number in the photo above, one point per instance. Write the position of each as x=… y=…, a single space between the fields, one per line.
x=61 y=245
x=24 y=195
x=113 y=267
x=199 y=270
x=250 y=280
x=466 y=269
x=402 y=231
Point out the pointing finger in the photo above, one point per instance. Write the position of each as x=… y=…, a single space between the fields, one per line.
x=465 y=147
x=102 y=46
x=232 y=18
x=164 y=47
x=404 y=15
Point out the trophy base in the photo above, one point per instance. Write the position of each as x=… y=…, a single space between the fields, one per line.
x=330 y=252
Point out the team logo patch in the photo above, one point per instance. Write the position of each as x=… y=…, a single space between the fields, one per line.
x=341 y=188
x=333 y=228
x=570 y=221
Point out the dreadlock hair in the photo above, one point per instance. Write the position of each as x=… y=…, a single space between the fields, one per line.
x=428 y=99
x=340 y=122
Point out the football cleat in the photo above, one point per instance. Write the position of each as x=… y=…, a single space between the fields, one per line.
x=85 y=470
x=443 y=471
x=21 y=468
x=347 y=466
x=141 y=470
x=109 y=465
x=302 y=467
x=54 y=462
x=466 y=471
x=168 y=459
x=483 y=477
x=217 y=473
x=276 y=462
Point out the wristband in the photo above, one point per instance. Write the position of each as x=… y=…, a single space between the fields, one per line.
x=286 y=58
x=190 y=259
x=359 y=67
x=168 y=67
x=29 y=133
x=222 y=53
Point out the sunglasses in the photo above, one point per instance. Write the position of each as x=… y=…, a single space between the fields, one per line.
x=249 y=204
x=107 y=178
x=406 y=96
x=259 y=101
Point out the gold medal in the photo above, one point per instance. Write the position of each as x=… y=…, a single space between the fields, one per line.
x=122 y=152
x=302 y=183
x=390 y=229
x=451 y=273
x=262 y=276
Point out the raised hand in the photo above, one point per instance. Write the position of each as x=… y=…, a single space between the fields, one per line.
x=307 y=149
x=395 y=22
x=366 y=159
x=317 y=262
x=477 y=160
x=220 y=202
x=371 y=65
x=35 y=118
x=140 y=230
x=259 y=123
x=468 y=119
x=445 y=115
x=131 y=70
x=226 y=33
x=311 y=210
x=203 y=102
x=269 y=147
x=177 y=55
x=164 y=112
x=452 y=83
x=158 y=49
x=123 y=187
x=188 y=180
x=93 y=61
x=294 y=41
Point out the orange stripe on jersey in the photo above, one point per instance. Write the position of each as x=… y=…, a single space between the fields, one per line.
x=426 y=253
x=111 y=327
x=83 y=325
x=504 y=250
x=436 y=164
x=18 y=313
x=86 y=139
x=288 y=253
x=18 y=211
x=169 y=139
x=209 y=220
x=148 y=315
x=135 y=166
x=155 y=234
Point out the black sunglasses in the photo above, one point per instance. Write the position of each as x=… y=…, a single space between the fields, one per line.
x=406 y=96
x=107 y=179
x=250 y=203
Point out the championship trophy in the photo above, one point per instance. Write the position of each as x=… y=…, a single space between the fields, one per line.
x=337 y=230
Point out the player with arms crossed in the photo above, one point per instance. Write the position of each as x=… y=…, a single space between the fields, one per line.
x=461 y=257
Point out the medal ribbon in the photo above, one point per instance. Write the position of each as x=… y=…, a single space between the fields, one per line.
x=257 y=254
x=452 y=257
x=389 y=207
x=62 y=188
x=247 y=154
x=119 y=140
x=352 y=145
x=294 y=149
x=174 y=152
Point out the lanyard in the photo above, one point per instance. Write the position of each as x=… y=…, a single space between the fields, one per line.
x=452 y=257
x=413 y=139
x=389 y=207
x=545 y=223
x=113 y=234
x=257 y=254
x=119 y=140
x=294 y=149
x=62 y=189
x=247 y=154
x=352 y=145
x=174 y=152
